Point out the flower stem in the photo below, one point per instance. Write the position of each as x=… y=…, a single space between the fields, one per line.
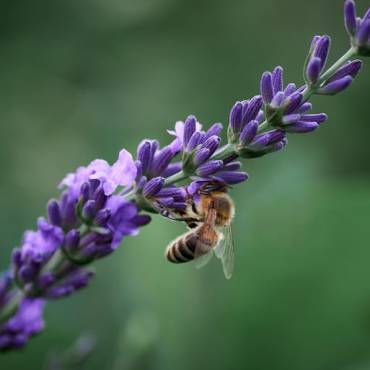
x=11 y=307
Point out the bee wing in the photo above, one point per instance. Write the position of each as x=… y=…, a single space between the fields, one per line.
x=225 y=251
x=203 y=260
x=208 y=239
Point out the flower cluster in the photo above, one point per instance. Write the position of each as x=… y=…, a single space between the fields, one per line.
x=101 y=204
x=27 y=322
x=357 y=28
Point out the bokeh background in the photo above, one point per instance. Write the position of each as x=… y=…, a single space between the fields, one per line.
x=81 y=79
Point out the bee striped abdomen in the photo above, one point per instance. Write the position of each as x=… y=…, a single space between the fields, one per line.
x=182 y=250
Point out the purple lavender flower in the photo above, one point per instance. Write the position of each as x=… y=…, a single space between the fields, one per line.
x=36 y=250
x=153 y=161
x=242 y=114
x=27 y=322
x=357 y=28
x=121 y=173
x=286 y=108
x=317 y=58
x=179 y=142
x=74 y=281
x=101 y=204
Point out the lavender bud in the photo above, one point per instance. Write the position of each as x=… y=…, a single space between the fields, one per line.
x=319 y=117
x=260 y=117
x=313 y=45
x=154 y=144
x=144 y=154
x=72 y=239
x=209 y=168
x=166 y=201
x=189 y=128
x=100 y=197
x=236 y=117
x=140 y=170
x=313 y=69
x=277 y=100
x=266 y=139
x=349 y=69
x=290 y=118
x=60 y=291
x=290 y=89
x=45 y=280
x=89 y=210
x=245 y=104
x=171 y=169
x=214 y=130
x=278 y=146
x=54 y=213
x=305 y=107
x=142 y=220
x=292 y=102
x=201 y=156
x=172 y=192
x=302 y=127
x=153 y=187
x=17 y=258
x=232 y=166
x=26 y=273
x=249 y=132
x=266 y=87
x=211 y=144
x=102 y=217
x=322 y=50
x=277 y=80
x=161 y=161
x=232 y=178
x=336 y=86
x=363 y=33
x=141 y=183
x=350 y=17
x=194 y=141
x=251 y=112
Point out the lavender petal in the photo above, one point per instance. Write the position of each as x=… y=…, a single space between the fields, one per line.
x=350 y=17
x=313 y=69
x=209 y=168
x=277 y=80
x=153 y=186
x=335 y=87
x=249 y=132
x=266 y=87
x=189 y=128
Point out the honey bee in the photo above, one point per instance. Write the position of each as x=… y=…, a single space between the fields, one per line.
x=209 y=221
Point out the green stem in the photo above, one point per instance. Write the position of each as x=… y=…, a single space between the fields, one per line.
x=11 y=307
x=177 y=177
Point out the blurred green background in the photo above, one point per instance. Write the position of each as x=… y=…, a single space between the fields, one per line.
x=81 y=79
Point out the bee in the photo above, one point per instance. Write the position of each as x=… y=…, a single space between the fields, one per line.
x=209 y=220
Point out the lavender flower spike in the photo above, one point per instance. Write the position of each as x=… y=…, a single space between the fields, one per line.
x=102 y=204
